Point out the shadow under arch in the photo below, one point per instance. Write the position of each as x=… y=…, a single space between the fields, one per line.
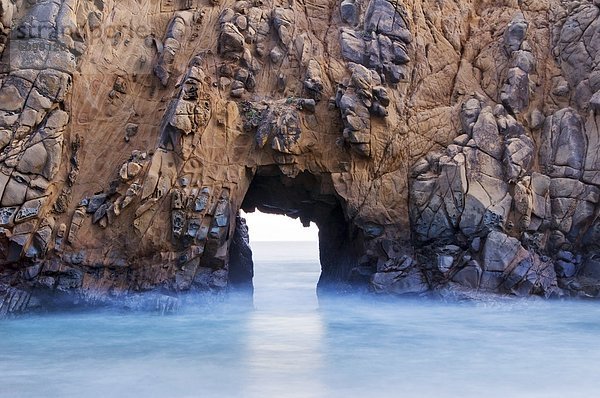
x=311 y=198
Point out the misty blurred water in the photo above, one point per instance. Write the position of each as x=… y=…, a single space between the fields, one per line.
x=288 y=347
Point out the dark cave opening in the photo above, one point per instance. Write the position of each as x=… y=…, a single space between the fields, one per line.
x=311 y=198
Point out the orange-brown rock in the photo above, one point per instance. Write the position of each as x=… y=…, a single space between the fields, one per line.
x=437 y=144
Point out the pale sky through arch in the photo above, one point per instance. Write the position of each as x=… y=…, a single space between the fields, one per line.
x=276 y=228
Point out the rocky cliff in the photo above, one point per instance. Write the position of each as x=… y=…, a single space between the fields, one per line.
x=438 y=144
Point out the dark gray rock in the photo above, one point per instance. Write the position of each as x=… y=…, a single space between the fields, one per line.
x=595 y=101
x=283 y=21
x=231 y=41
x=591 y=267
x=499 y=251
x=469 y=276
x=469 y=114
x=576 y=46
x=70 y=279
x=523 y=60
x=444 y=263
x=517 y=274
x=565 y=269
x=566 y=256
x=476 y=244
x=394 y=73
x=95 y=202
x=100 y=213
x=518 y=157
x=276 y=55
x=349 y=12
x=13 y=301
x=486 y=134
x=515 y=93
x=308 y=104
x=353 y=46
x=241 y=266
x=491 y=280
x=515 y=33
x=399 y=283
x=400 y=53
x=373 y=230
x=382 y=17
x=32 y=271
x=563 y=147
x=314 y=80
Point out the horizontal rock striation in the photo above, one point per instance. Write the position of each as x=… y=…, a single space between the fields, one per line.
x=439 y=146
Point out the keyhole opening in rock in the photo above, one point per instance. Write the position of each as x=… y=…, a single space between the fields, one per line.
x=309 y=198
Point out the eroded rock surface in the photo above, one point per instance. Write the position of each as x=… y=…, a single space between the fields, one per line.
x=438 y=145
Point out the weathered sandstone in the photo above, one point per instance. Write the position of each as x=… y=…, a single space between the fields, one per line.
x=438 y=145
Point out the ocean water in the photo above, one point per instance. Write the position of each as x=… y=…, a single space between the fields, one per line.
x=288 y=346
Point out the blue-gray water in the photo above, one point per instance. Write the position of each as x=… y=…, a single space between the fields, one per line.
x=288 y=347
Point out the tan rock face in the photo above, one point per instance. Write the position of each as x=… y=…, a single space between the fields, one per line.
x=436 y=144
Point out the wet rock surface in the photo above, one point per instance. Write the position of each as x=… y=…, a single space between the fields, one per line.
x=438 y=145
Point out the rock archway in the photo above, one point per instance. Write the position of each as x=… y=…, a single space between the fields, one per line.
x=154 y=147
x=311 y=198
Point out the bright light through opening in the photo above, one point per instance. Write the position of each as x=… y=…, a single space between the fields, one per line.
x=276 y=228
x=286 y=262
